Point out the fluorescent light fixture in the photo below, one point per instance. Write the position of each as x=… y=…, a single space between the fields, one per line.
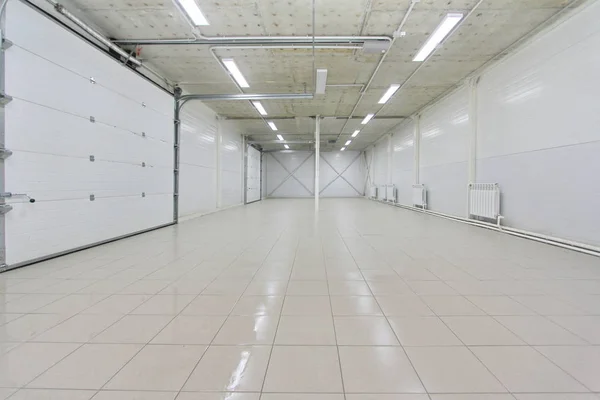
x=342 y=149
x=235 y=71
x=355 y=134
x=440 y=33
x=367 y=119
x=348 y=142
x=272 y=126
x=390 y=92
x=279 y=137
x=259 y=107
x=286 y=146
x=321 y=81
x=193 y=12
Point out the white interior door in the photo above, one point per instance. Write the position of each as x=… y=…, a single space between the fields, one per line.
x=253 y=174
x=91 y=141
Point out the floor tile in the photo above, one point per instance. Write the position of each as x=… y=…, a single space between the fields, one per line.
x=305 y=330
x=22 y=364
x=378 y=370
x=408 y=305
x=218 y=396
x=190 y=329
x=133 y=395
x=158 y=367
x=355 y=305
x=149 y=287
x=301 y=396
x=500 y=305
x=88 y=367
x=134 y=329
x=423 y=331
x=439 y=369
x=185 y=286
x=306 y=305
x=266 y=288
x=451 y=305
x=51 y=303
x=28 y=326
x=5 y=393
x=581 y=362
x=477 y=331
x=522 y=369
x=393 y=287
x=539 y=330
x=547 y=305
x=117 y=304
x=211 y=305
x=364 y=331
x=307 y=288
x=164 y=305
x=241 y=330
x=387 y=397
x=310 y=369
x=349 y=288
x=586 y=327
x=258 y=305
x=78 y=329
x=52 y=394
x=465 y=396
x=230 y=369
x=431 y=288
x=562 y=396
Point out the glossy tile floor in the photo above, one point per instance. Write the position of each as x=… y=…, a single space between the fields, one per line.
x=367 y=302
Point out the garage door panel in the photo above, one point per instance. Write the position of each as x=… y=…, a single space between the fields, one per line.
x=48 y=128
x=253 y=175
x=54 y=130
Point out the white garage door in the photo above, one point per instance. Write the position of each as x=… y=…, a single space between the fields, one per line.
x=92 y=142
x=253 y=173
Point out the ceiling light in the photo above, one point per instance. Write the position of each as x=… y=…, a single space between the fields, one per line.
x=367 y=119
x=193 y=12
x=279 y=137
x=438 y=35
x=355 y=134
x=259 y=107
x=321 y=81
x=390 y=92
x=272 y=126
x=286 y=146
x=235 y=71
x=348 y=142
x=342 y=149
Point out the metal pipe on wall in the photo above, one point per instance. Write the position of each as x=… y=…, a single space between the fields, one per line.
x=256 y=40
x=317 y=157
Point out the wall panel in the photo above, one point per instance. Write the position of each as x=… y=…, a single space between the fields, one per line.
x=403 y=164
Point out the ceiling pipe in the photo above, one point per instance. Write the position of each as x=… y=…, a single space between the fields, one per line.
x=381 y=60
x=244 y=96
x=256 y=40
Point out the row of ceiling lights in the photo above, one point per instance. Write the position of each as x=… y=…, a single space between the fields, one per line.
x=440 y=33
x=193 y=12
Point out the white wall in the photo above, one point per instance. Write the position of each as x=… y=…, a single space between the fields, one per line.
x=198 y=160
x=536 y=120
x=231 y=165
x=342 y=174
x=253 y=175
x=49 y=131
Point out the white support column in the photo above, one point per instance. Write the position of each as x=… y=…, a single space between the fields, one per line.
x=317 y=157
x=472 y=85
x=218 y=158
x=417 y=148
x=389 y=160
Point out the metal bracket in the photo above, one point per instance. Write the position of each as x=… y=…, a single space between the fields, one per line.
x=6 y=44
x=92 y=80
x=143 y=164
x=4 y=99
x=4 y=208
x=92 y=158
x=143 y=134
x=92 y=197
x=143 y=104
x=5 y=153
x=92 y=119
x=143 y=194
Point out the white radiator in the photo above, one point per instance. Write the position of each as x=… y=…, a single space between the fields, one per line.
x=373 y=192
x=419 y=196
x=484 y=200
x=381 y=192
x=390 y=193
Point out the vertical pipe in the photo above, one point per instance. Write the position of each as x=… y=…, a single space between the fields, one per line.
x=317 y=157
x=2 y=143
x=417 y=148
x=176 y=139
x=389 y=160
x=245 y=169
